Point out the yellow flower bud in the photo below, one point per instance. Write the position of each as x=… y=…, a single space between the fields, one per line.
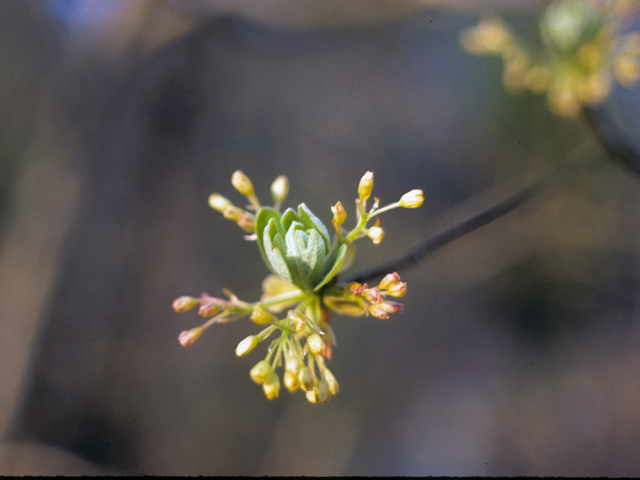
x=280 y=189
x=260 y=315
x=246 y=345
x=293 y=365
x=375 y=234
x=365 y=186
x=315 y=343
x=209 y=309
x=271 y=385
x=412 y=199
x=389 y=280
x=218 y=202
x=183 y=304
x=189 y=337
x=398 y=290
x=260 y=371
x=339 y=214
x=242 y=183
x=312 y=395
x=291 y=381
x=305 y=376
x=378 y=311
x=331 y=381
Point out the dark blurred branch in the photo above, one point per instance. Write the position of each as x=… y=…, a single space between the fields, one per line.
x=612 y=138
x=418 y=252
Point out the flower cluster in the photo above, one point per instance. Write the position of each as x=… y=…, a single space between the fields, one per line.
x=305 y=261
x=584 y=48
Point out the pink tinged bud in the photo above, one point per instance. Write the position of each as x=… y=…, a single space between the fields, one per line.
x=246 y=345
x=392 y=307
x=209 y=309
x=246 y=222
x=373 y=295
x=189 y=337
x=305 y=376
x=339 y=214
x=183 y=304
x=398 y=290
x=218 y=202
x=357 y=289
x=315 y=343
x=271 y=385
x=365 y=186
x=280 y=189
x=232 y=212
x=375 y=234
x=260 y=371
x=242 y=183
x=378 y=311
x=389 y=280
x=412 y=199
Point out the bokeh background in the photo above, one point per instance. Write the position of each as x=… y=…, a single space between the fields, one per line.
x=519 y=349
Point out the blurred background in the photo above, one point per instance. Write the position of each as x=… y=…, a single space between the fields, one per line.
x=518 y=351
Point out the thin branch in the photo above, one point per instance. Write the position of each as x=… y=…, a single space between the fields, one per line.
x=418 y=252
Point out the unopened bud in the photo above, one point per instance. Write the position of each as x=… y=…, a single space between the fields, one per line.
x=324 y=395
x=306 y=378
x=242 y=183
x=218 y=202
x=389 y=280
x=189 y=337
x=334 y=387
x=412 y=199
x=260 y=371
x=246 y=345
x=271 y=385
x=232 y=212
x=183 y=304
x=378 y=311
x=373 y=295
x=315 y=343
x=365 y=186
x=260 y=315
x=293 y=365
x=339 y=214
x=398 y=290
x=280 y=189
x=246 y=222
x=312 y=395
x=392 y=307
x=375 y=234
x=290 y=381
x=209 y=309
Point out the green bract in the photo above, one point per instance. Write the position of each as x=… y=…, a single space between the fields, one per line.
x=296 y=247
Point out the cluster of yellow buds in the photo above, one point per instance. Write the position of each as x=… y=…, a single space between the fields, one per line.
x=305 y=262
x=584 y=47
